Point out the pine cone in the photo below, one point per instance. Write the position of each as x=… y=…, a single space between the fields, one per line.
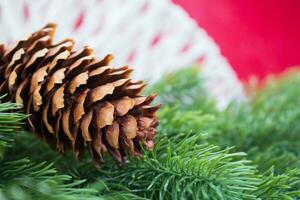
x=2 y=52
x=75 y=100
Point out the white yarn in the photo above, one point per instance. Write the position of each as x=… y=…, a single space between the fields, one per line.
x=127 y=29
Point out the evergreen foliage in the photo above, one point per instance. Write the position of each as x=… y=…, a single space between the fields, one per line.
x=248 y=151
x=268 y=127
x=9 y=123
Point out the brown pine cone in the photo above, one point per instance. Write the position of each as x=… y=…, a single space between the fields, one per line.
x=75 y=100
x=2 y=52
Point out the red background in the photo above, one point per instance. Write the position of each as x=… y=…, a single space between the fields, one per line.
x=258 y=37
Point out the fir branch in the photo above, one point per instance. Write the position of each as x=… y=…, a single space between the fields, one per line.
x=22 y=179
x=189 y=170
x=10 y=123
x=66 y=164
x=272 y=116
x=267 y=128
x=276 y=187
